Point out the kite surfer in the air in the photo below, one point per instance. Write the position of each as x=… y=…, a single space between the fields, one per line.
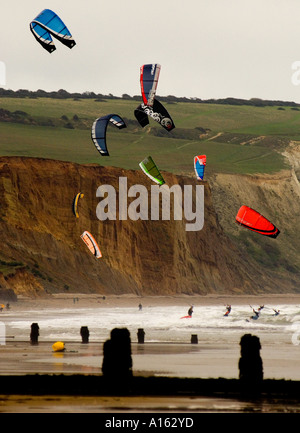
x=228 y=309
x=191 y=310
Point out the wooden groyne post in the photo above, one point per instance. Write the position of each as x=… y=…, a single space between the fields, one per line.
x=34 y=333
x=250 y=365
x=194 y=339
x=85 y=333
x=141 y=336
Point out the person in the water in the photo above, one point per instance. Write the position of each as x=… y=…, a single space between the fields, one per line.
x=228 y=309
x=191 y=310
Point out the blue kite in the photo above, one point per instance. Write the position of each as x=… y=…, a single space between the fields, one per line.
x=48 y=24
x=99 y=131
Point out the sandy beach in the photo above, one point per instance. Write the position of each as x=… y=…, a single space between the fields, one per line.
x=63 y=300
x=211 y=357
x=214 y=356
x=89 y=300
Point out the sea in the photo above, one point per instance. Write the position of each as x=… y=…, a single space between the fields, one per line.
x=161 y=324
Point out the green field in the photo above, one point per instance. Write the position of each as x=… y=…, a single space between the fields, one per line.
x=238 y=139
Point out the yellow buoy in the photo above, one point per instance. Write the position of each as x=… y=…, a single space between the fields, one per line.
x=59 y=346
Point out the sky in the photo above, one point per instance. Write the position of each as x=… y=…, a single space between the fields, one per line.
x=206 y=48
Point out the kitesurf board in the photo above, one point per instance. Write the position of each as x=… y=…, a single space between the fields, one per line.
x=186 y=317
x=252 y=317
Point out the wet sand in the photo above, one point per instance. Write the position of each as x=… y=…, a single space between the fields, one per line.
x=142 y=404
x=149 y=359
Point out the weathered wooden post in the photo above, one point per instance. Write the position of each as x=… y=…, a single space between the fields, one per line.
x=141 y=336
x=250 y=365
x=34 y=334
x=85 y=333
x=194 y=339
x=117 y=361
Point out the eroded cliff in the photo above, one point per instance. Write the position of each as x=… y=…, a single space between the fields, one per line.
x=41 y=237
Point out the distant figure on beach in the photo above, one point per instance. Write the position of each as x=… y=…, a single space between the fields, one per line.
x=191 y=310
x=276 y=312
x=140 y=307
x=228 y=309
x=117 y=361
x=250 y=365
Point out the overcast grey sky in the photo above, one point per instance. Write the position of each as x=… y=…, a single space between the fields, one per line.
x=206 y=48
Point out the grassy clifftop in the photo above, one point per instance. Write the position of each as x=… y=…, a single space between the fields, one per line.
x=236 y=139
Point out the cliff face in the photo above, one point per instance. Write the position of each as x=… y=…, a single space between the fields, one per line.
x=277 y=197
x=41 y=236
x=20 y=282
